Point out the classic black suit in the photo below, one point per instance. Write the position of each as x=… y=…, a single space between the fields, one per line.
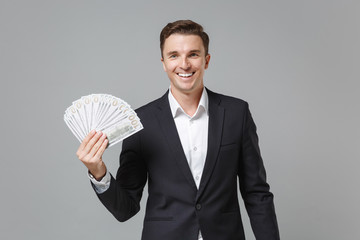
x=176 y=209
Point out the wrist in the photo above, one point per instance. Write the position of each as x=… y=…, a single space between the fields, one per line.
x=97 y=178
x=98 y=175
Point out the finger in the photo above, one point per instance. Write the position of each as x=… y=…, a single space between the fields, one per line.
x=86 y=140
x=97 y=145
x=92 y=142
x=102 y=148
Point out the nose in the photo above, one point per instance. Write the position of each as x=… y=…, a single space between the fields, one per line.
x=185 y=63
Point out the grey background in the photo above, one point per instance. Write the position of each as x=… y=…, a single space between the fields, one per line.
x=295 y=62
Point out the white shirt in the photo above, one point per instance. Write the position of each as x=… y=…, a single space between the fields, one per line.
x=193 y=133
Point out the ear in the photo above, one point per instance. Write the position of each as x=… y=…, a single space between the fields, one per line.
x=207 y=60
x=163 y=63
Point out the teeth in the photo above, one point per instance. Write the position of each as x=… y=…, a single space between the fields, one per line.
x=185 y=74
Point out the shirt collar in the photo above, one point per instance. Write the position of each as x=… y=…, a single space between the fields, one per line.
x=176 y=109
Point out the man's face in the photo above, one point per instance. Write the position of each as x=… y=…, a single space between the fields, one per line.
x=184 y=61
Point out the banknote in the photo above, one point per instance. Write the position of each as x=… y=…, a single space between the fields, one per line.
x=102 y=112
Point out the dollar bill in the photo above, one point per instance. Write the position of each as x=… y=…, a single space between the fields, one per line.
x=102 y=112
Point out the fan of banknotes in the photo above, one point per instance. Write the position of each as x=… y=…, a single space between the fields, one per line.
x=102 y=112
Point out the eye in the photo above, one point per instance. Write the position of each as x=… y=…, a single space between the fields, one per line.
x=194 y=55
x=172 y=56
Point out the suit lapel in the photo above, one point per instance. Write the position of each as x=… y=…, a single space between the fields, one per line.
x=169 y=130
x=168 y=127
x=216 y=118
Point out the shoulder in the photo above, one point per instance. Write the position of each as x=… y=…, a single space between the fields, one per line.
x=227 y=101
x=153 y=105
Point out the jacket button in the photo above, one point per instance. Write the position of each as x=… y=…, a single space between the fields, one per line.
x=198 y=206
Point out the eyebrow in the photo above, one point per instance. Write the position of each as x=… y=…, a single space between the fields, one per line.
x=176 y=52
x=171 y=53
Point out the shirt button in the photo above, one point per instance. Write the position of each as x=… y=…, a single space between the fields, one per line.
x=195 y=148
x=197 y=177
x=198 y=206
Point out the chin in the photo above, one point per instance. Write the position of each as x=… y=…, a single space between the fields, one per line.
x=190 y=89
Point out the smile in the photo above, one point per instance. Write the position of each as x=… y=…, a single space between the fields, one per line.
x=185 y=74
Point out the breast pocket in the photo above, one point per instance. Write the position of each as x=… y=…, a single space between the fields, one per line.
x=225 y=147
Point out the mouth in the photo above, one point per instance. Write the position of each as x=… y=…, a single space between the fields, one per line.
x=185 y=75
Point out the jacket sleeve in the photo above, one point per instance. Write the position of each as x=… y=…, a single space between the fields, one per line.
x=254 y=189
x=123 y=197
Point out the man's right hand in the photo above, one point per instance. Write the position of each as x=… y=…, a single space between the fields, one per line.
x=90 y=153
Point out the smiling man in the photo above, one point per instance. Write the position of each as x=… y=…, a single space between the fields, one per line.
x=194 y=148
x=185 y=60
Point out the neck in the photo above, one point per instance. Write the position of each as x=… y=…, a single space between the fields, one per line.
x=188 y=101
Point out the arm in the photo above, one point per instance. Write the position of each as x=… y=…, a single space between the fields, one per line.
x=123 y=196
x=253 y=186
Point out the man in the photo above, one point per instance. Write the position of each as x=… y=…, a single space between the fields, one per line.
x=194 y=147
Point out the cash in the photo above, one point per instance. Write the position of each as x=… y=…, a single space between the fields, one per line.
x=102 y=112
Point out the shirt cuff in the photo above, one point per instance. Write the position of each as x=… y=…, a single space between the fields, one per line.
x=102 y=185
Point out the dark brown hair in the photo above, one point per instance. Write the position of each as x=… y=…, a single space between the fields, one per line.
x=186 y=27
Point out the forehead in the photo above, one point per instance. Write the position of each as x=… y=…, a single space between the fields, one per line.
x=183 y=43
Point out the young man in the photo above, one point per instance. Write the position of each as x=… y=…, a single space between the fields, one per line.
x=195 y=146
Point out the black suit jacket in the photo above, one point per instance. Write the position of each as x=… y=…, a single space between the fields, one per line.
x=176 y=209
